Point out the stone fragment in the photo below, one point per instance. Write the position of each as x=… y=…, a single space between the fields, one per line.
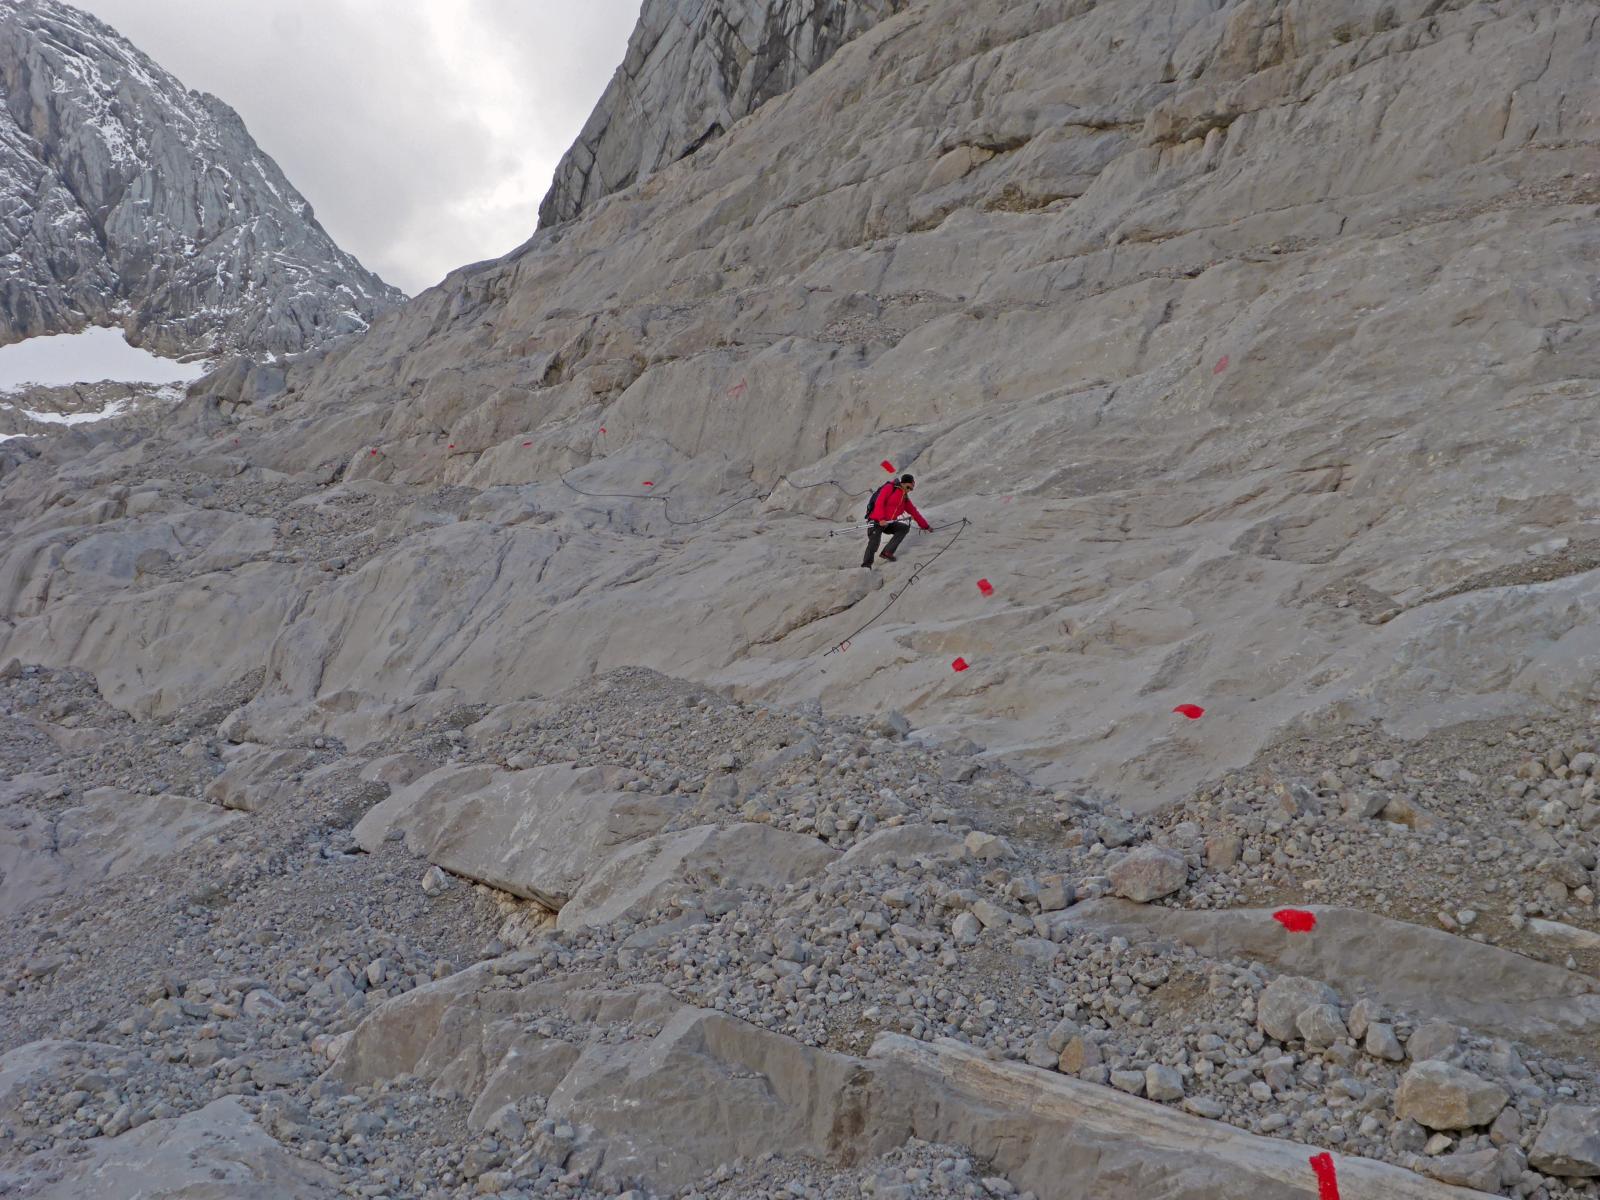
x=1567 y=936
x=1283 y=1000
x=1321 y=1026
x=1569 y=1142
x=1131 y=1082
x=1440 y=1096
x=1163 y=1083
x=1432 y=1039
x=1149 y=873
x=1478 y=1169
x=1055 y=894
x=986 y=847
x=1362 y=1013
x=1223 y=850
x=1381 y=1042
x=1079 y=1053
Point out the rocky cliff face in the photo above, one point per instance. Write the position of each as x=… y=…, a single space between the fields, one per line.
x=126 y=199
x=1237 y=347
x=693 y=68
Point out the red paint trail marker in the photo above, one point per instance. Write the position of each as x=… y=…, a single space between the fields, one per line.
x=525 y=444
x=602 y=429
x=647 y=483
x=738 y=388
x=1193 y=711
x=960 y=664
x=451 y=446
x=1222 y=365
x=1296 y=920
x=1327 y=1179
x=986 y=587
x=374 y=453
x=887 y=466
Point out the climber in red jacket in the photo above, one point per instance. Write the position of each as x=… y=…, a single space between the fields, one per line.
x=889 y=503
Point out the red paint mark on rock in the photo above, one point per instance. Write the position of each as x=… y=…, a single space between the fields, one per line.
x=738 y=388
x=451 y=446
x=1222 y=365
x=887 y=466
x=527 y=443
x=602 y=429
x=960 y=664
x=1296 y=920
x=647 y=483
x=1327 y=1178
x=374 y=452
x=986 y=587
x=1193 y=711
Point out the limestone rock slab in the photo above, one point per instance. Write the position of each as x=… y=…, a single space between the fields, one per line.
x=538 y=833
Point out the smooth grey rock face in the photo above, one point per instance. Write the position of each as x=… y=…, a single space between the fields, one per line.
x=128 y=200
x=537 y=834
x=649 y=872
x=693 y=68
x=112 y=832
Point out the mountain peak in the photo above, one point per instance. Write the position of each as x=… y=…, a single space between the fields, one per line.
x=127 y=198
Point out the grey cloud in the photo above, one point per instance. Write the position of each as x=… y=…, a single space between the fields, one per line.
x=424 y=132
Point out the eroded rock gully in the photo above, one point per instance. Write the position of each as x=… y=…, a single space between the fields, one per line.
x=393 y=818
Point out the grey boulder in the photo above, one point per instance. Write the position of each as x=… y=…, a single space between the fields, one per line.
x=1569 y=1143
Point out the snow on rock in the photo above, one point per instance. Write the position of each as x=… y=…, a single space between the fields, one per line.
x=127 y=199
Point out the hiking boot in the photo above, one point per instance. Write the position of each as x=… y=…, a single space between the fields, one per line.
x=887 y=557
x=867 y=565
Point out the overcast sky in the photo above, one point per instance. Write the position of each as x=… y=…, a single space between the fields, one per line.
x=424 y=132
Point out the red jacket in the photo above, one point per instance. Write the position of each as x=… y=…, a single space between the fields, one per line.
x=893 y=503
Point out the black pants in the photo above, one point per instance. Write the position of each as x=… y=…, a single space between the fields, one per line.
x=897 y=531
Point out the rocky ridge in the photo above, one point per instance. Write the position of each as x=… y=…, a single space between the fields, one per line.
x=128 y=200
x=694 y=68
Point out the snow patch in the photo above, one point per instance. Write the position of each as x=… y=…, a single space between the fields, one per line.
x=92 y=356
x=115 y=409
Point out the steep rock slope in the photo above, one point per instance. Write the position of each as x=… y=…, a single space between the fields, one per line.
x=693 y=68
x=1202 y=336
x=126 y=199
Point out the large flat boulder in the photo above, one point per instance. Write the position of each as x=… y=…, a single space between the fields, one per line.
x=215 y=1153
x=111 y=833
x=668 y=1091
x=1401 y=964
x=537 y=834
x=1569 y=1143
x=1064 y=1138
x=1442 y=1096
x=645 y=875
